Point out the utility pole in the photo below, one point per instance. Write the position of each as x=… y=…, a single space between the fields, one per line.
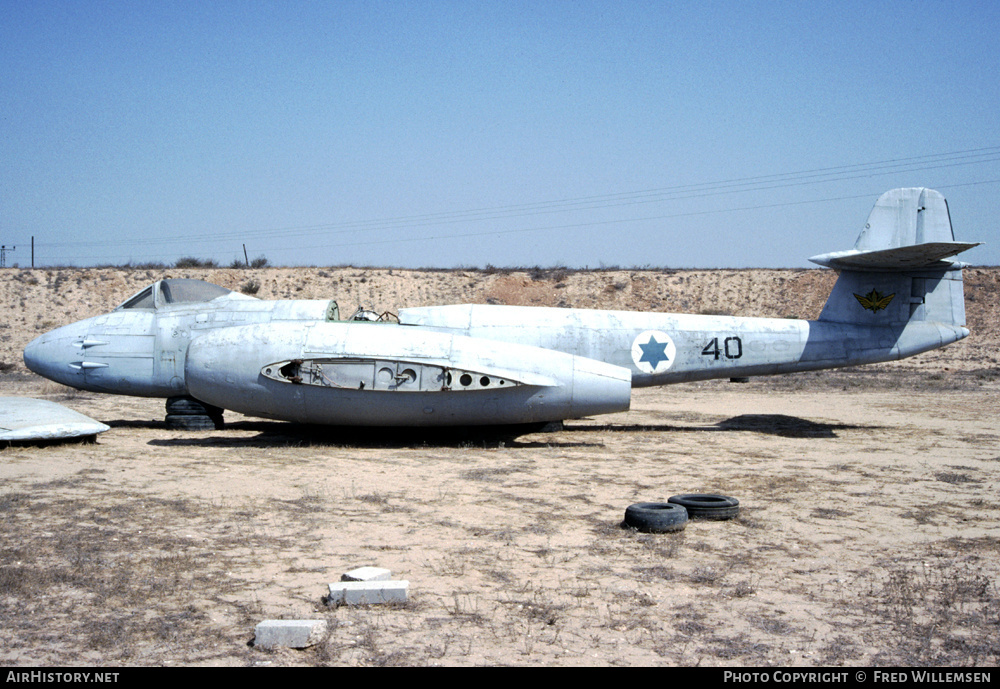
x=3 y=255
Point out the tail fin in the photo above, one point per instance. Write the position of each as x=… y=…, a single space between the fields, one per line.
x=900 y=268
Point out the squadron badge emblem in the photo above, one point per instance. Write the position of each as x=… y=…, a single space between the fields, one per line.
x=874 y=301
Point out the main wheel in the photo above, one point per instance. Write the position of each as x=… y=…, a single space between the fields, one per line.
x=181 y=408
x=189 y=406
x=190 y=422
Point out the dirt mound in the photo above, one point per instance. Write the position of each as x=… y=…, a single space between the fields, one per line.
x=35 y=301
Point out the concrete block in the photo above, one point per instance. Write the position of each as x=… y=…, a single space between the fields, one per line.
x=368 y=592
x=289 y=633
x=367 y=574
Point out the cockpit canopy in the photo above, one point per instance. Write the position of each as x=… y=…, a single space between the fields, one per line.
x=174 y=291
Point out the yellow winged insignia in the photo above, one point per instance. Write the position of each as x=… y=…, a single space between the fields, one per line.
x=874 y=301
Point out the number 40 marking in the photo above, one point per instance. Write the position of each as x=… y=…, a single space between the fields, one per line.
x=732 y=347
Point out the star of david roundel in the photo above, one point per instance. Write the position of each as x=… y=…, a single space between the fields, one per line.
x=653 y=352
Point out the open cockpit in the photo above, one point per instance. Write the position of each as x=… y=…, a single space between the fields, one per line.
x=176 y=291
x=189 y=292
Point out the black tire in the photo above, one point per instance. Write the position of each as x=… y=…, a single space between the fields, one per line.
x=655 y=517
x=186 y=422
x=707 y=505
x=189 y=406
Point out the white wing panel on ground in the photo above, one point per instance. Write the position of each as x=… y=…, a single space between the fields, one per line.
x=24 y=418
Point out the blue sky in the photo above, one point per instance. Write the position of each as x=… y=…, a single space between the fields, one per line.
x=447 y=134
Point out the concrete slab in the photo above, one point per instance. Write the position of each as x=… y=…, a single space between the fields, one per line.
x=368 y=592
x=289 y=633
x=367 y=574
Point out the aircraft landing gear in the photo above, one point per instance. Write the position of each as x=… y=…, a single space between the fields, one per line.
x=188 y=414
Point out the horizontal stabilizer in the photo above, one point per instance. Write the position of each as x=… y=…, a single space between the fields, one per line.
x=901 y=268
x=927 y=255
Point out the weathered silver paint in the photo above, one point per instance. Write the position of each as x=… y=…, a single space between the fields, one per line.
x=898 y=294
x=769 y=345
x=528 y=384
x=140 y=350
x=907 y=229
x=24 y=418
x=897 y=266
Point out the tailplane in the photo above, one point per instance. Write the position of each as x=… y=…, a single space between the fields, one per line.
x=901 y=267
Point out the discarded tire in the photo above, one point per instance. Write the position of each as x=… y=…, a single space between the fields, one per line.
x=707 y=505
x=185 y=422
x=188 y=414
x=189 y=406
x=655 y=517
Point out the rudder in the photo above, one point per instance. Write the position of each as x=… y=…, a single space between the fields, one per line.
x=900 y=268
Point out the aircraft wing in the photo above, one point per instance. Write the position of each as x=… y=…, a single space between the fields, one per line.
x=24 y=418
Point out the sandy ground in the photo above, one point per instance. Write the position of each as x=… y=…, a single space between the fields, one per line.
x=869 y=531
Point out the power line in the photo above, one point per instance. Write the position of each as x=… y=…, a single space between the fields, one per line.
x=618 y=221
x=603 y=201
x=573 y=205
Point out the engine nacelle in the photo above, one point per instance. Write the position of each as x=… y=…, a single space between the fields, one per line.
x=379 y=374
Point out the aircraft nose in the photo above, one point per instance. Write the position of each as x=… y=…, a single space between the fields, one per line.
x=50 y=356
x=33 y=354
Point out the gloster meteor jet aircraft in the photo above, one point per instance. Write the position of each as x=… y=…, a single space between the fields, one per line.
x=899 y=293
